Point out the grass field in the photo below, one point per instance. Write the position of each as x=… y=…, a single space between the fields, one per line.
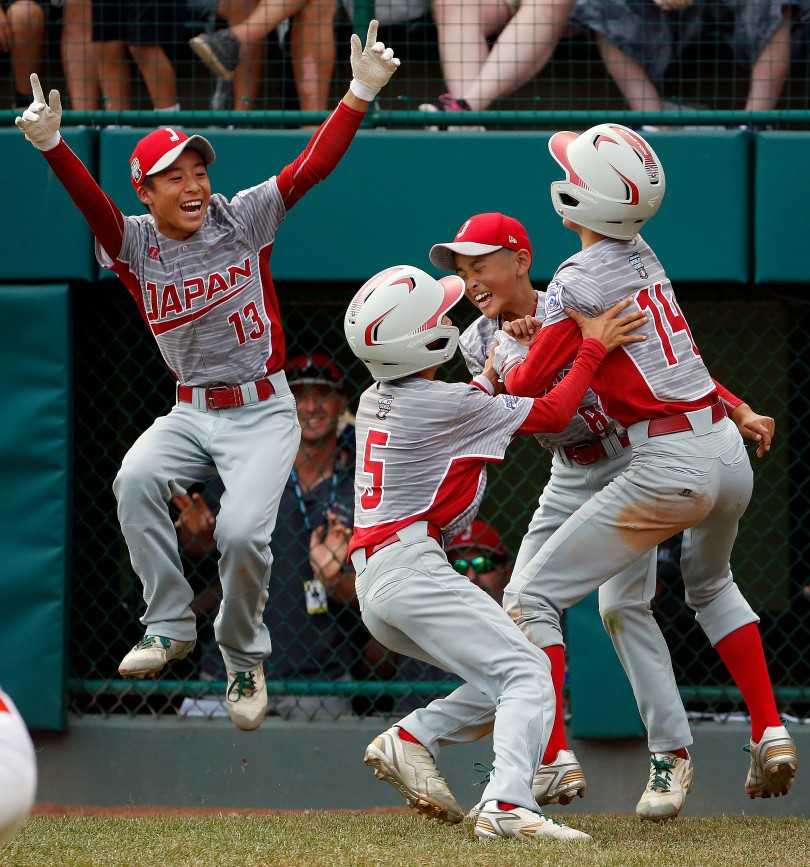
x=399 y=839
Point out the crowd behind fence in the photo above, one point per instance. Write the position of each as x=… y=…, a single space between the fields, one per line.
x=122 y=383
x=477 y=64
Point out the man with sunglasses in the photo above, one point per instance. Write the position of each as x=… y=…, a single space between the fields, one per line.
x=479 y=554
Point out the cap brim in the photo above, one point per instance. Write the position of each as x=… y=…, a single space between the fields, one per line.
x=195 y=141
x=443 y=255
x=314 y=380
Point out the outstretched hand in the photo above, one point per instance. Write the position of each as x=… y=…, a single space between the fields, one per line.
x=372 y=65
x=40 y=121
x=610 y=329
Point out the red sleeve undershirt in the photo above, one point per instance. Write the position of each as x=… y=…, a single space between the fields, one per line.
x=550 y=414
x=105 y=220
x=324 y=151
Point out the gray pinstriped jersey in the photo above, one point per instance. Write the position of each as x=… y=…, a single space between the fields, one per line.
x=205 y=300
x=420 y=430
x=598 y=277
x=590 y=420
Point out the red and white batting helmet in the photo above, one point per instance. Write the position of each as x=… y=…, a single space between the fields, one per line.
x=614 y=180
x=394 y=323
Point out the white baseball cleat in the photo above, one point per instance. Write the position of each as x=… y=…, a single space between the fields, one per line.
x=410 y=769
x=495 y=824
x=246 y=698
x=151 y=653
x=559 y=782
x=670 y=781
x=773 y=764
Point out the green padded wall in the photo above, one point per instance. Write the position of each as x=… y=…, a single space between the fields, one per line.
x=396 y=193
x=35 y=444
x=45 y=236
x=781 y=193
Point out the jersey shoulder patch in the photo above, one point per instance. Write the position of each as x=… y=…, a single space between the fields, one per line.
x=554 y=298
x=510 y=401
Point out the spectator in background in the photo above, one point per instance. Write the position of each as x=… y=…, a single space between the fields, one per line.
x=23 y=35
x=80 y=55
x=311 y=609
x=237 y=53
x=638 y=40
x=476 y=75
x=139 y=30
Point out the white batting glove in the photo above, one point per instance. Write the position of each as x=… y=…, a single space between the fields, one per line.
x=372 y=66
x=508 y=353
x=40 y=122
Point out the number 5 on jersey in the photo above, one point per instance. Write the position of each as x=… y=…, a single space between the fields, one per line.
x=374 y=466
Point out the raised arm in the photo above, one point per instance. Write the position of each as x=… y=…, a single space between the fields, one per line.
x=40 y=122
x=372 y=67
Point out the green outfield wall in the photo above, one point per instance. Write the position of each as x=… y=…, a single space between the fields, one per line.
x=731 y=212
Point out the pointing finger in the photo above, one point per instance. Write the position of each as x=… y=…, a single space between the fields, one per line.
x=371 y=37
x=36 y=88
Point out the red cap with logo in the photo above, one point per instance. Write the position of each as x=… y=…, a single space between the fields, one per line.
x=480 y=535
x=481 y=234
x=158 y=150
x=314 y=370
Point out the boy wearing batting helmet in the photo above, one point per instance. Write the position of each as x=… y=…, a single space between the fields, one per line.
x=197 y=266
x=493 y=255
x=689 y=469
x=422 y=450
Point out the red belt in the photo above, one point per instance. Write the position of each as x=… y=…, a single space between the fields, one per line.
x=676 y=423
x=432 y=531
x=590 y=453
x=225 y=396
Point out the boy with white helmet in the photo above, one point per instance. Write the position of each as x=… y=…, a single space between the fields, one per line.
x=492 y=253
x=689 y=469
x=422 y=449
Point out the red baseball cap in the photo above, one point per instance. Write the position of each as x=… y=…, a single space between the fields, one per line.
x=314 y=370
x=480 y=535
x=159 y=149
x=481 y=234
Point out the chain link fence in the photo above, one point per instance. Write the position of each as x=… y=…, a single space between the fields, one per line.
x=715 y=62
x=755 y=347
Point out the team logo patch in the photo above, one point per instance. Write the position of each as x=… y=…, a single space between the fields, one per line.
x=384 y=402
x=635 y=262
x=154 y=254
x=135 y=170
x=510 y=401
x=554 y=298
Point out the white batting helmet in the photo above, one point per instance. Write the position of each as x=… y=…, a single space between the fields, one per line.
x=614 y=180
x=394 y=320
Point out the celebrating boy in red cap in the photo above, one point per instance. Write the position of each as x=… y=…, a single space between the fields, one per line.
x=197 y=266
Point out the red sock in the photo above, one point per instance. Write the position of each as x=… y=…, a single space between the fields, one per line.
x=502 y=805
x=742 y=654
x=407 y=736
x=556 y=741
